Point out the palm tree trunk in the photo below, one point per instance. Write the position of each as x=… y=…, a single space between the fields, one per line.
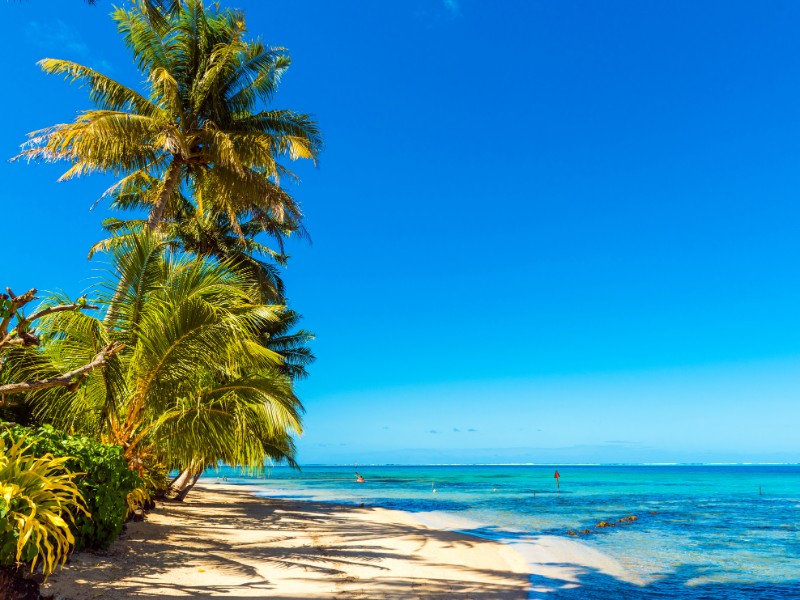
x=170 y=181
x=153 y=224
x=183 y=483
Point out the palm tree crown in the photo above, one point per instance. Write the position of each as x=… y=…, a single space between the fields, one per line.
x=198 y=128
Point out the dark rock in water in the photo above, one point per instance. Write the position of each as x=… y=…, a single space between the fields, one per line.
x=604 y=524
x=13 y=586
x=574 y=533
x=628 y=519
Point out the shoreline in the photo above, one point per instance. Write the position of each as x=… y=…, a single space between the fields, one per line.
x=227 y=541
x=553 y=562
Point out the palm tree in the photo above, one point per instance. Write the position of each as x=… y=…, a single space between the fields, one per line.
x=215 y=239
x=213 y=235
x=198 y=129
x=192 y=384
x=281 y=337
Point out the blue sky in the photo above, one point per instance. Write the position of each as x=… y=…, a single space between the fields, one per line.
x=542 y=231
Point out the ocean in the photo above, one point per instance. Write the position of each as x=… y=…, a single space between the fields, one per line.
x=699 y=532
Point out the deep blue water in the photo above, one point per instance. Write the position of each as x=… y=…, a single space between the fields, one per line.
x=701 y=532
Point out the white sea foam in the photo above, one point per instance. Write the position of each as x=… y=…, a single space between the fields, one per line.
x=554 y=562
x=560 y=563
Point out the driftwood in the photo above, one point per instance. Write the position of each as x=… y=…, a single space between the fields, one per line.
x=71 y=380
x=23 y=335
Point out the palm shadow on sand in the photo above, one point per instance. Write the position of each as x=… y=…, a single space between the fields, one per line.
x=152 y=551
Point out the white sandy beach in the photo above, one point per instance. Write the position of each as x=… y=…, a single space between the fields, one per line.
x=225 y=542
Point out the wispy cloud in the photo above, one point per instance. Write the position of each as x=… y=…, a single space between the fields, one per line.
x=453 y=6
x=59 y=40
x=438 y=12
x=57 y=35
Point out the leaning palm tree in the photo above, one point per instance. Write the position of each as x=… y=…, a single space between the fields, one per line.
x=202 y=127
x=213 y=235
x=192 y=384
x=215 y=239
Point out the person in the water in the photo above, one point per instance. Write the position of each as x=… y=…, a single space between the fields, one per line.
x=359 y=478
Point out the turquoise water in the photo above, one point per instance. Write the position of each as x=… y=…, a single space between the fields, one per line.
x=701 y=532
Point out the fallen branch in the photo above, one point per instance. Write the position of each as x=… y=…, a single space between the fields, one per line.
x=71 y=380
x=14 y=303
x=59 y=308
x=21 y=335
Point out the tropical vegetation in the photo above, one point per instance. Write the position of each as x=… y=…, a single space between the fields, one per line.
x=101 y=474
x=195 y=146
x=185 y=355
x=37 y=495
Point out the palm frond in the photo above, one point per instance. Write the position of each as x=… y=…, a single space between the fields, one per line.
x=106 y=93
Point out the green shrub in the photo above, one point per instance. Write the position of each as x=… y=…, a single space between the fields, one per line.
x=38 y=495
x=103 y=479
